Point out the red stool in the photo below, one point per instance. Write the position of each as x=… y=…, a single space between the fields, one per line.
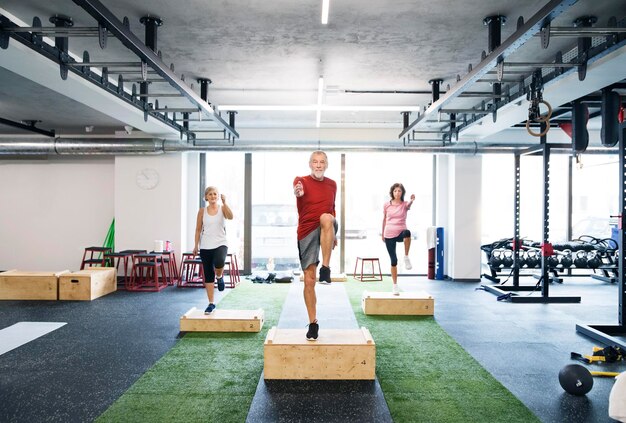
x=126 y=257
x=233 y=270
x=169 y=260
x=232 y=267
x=95 y=258
x=371 y=276
x=191 y=272
x=145 y=273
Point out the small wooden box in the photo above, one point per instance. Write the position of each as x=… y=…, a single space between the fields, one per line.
x=88 y=284
x=407 y=303
x=338 y=354
x=222 y=321
x=25 y=285
x=334 y=277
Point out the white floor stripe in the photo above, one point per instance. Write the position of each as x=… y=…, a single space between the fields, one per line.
x=24 y=332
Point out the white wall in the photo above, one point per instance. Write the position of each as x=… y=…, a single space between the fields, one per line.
x=145 y=215
x=50 y=210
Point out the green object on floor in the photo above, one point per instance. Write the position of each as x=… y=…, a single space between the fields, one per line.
x=206 y=377
x=426 y=376
x=109 y=241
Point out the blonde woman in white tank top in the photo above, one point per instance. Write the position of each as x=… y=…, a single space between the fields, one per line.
x=210 y=241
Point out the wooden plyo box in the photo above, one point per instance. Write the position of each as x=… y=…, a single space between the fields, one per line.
x=407 y=303
x=334 y=277
x=222 y=321
x=25 y=285
x=338 y=354
x=87 y=284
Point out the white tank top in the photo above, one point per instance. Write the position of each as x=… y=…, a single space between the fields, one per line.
x=213 y=230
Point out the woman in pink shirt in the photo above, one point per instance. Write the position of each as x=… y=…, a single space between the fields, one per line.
x=394 y=229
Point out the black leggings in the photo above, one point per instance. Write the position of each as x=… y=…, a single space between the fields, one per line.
x=390 y=243
x=211 y=260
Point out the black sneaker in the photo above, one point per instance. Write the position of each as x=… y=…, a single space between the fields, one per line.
x=209 y=309
x=311 y=335
x=220 y=284
x=325 y=275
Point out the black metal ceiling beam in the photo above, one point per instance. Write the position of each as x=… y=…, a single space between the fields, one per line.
x=584 y=32
x=548 y=13
x=25 y=127
x=105 y=18
x=57 y=32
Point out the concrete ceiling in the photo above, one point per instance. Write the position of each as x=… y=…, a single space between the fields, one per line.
x=273 y=52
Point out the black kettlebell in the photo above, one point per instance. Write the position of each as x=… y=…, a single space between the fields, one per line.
x=552 y=262
x=507 y=258
x=593 y=260
x=566 y=259
x=495 y=260
x=575 y=379
x=532 y=259
x=580 y=259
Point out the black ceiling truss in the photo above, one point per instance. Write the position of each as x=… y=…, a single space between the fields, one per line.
x=148 y=69
x=27 y=125
x=512 y=80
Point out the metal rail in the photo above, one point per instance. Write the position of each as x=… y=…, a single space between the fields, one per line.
x=550 y=11
x=105 y=18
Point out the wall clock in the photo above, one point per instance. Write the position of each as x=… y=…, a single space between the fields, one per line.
x=147 y=178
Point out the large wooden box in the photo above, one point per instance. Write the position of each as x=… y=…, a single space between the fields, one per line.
x=25 y=285
x=407 y=303
x=222 y=321
x=338 y=354
x=88 y=284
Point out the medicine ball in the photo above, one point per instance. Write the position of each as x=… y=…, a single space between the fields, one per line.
x=575 y=379
x=593 y=260
x=566 y=259
x=495 y=260
x=580 y=259
x=507 y=258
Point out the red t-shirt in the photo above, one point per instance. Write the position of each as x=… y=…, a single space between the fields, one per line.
x=318 y=198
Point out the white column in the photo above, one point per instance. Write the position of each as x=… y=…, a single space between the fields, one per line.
x=458 y=212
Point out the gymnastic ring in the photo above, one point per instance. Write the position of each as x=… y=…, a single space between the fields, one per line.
x=548 y=113
x=541 y=119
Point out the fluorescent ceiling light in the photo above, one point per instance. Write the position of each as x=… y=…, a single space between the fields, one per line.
x=320 y=93
x=314 y=107
x=325 y=6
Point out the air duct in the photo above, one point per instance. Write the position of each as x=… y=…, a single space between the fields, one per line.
x=23 y=148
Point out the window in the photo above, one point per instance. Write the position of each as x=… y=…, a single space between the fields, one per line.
x=274 y=212
x=225 y=171
x=369 y=177
x=595 y=195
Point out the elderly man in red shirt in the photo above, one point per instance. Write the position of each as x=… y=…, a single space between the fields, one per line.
x=316 y=230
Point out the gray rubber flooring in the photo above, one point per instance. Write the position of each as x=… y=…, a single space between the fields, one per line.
x=76 y=372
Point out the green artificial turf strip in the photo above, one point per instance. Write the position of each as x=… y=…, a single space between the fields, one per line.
x=205 y=376
x=426 y=376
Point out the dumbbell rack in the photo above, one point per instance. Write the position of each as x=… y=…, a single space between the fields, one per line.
x=608 y=334
x=510 y=292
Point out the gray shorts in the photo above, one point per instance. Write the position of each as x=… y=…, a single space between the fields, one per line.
x=309 y=247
